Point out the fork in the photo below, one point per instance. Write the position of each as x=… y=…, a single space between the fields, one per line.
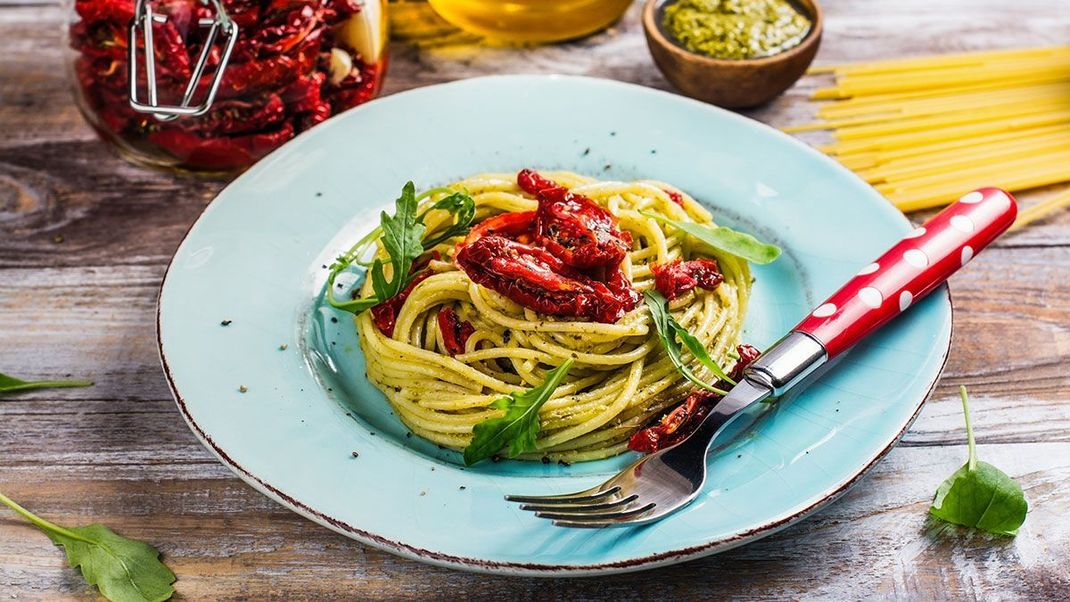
x=663 y=482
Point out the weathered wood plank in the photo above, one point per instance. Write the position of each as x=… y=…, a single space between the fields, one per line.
x=225 y=541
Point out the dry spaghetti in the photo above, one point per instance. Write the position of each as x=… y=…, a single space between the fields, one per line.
x=924 y=130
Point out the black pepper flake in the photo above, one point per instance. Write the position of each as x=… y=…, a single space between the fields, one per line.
x=226 y=323
x=606 y=167
x=334 y=320
x=432 y=469
x=653 y=151
x=408 y=435
x=462 y=488
x=350 y=414
x=372 y=433
x=546 y=459
x=355 y=455
x=330 y=390
x=739 y=455
x=319 y=194
x=442 y=447
x=613 y=133
x=586 y=151
x=563 y=463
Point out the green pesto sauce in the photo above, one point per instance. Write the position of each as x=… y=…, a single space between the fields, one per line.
x=736 y=29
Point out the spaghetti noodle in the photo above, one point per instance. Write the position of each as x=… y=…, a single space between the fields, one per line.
x=922 y=130
x=457 y=346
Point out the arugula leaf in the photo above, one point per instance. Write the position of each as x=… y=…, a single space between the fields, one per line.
x=10 y=384
x=980 y=495
x=463 y=208
x=725 y=239
x=668 y=331
x=401 y=236
x=124 y=570
x=517 y=429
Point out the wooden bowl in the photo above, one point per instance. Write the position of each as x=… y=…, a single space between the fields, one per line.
x=731 y=83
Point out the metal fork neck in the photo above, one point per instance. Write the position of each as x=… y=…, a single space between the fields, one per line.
x=787 y=362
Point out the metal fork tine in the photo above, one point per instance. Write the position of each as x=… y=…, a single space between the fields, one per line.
x=583 y=517
x=580 y=507
x=569 y=498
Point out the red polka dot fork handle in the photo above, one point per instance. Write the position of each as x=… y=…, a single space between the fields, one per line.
x=911 y=269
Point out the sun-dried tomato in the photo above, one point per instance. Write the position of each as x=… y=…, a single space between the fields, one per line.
x=279 y=33
x=675 y=197
x=538 y=280
x=455 y=332
x=112 y=11
x=679 y=277
x=385 y=314
x=219 y=152
x=574 y=227
x=239 y=116
x=685 y=418
x=357 y=89
x=517 y=225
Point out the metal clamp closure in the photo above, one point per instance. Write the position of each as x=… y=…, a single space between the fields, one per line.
x=141 y=25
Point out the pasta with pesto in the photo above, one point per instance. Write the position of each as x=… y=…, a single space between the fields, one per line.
x=454 y=343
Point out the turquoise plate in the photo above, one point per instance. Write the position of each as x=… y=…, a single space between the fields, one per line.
x=313 y=434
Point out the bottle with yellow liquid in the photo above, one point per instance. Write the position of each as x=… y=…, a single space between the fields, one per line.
x=531 y=21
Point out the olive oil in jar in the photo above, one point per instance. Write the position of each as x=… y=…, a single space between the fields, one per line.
x=531 y=21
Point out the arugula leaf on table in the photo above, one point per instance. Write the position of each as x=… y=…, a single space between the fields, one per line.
x=463 y=207
x=980 y=495
x=124 y=570
x=669 y=330
x=10 y=384
x=516 y=430
x=725 y=239
x=401 y=235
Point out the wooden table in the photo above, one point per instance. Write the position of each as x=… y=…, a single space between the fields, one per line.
x=84 y=239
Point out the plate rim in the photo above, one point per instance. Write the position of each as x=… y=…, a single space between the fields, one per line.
x=536 y=569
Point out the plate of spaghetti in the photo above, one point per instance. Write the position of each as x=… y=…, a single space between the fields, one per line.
x=522 y=283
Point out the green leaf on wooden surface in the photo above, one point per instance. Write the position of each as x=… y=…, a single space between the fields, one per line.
x=979 y=495
x=124 y=570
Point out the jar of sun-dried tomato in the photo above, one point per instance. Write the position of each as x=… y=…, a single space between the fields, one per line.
x=212 y=86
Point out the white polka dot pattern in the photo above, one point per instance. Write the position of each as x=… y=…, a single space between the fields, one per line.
x=916 y=258
x=825 y=310
x=962 y=224
x=909 y=270
x=871 y=297
x=967 y=255
x=905 y=299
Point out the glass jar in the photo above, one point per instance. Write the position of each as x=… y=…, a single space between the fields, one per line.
x=531 y=21
x=227 y=81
